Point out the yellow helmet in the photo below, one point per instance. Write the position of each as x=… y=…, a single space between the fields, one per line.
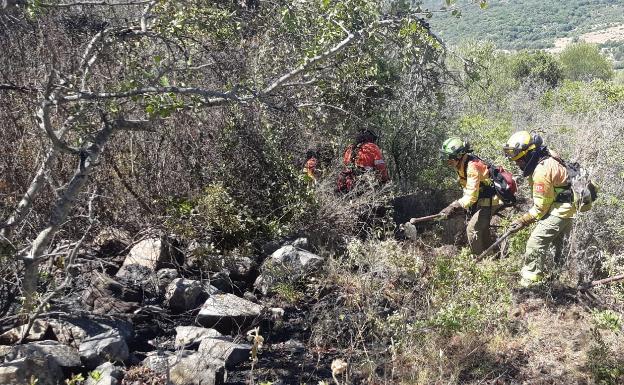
x=520 y=144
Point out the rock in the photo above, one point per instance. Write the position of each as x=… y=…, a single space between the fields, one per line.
x=300 y=243
x=105 y=286
x=72 y=330
x=224 y=311
x=4 y=352
x=149 y=253
x=62 y=355
x=240 y=268
x=138 y=275
x=198 y=369
x=105 y=374
x=113 y=306
x=291 y=256
x=224 y=349
x=25 y=371
x=223 y=282
x=38 y=331
x=286 y=264
x=183 y=294
x=277 y=313
x=111 y=241
x=162 y=361
x=187 y=336
x=264 y=284
x=165 y=277
x=249 y=296
x=210 y=289
x=108 y=346
x=270 y=247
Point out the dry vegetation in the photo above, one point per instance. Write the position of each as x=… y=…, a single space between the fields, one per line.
x=226 y=176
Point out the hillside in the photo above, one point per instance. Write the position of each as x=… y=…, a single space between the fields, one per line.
x=532 y=24
x=246 y=192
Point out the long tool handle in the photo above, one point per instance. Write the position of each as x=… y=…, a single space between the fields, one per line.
x=607 y=280
x=498 y=242
x=427 y=218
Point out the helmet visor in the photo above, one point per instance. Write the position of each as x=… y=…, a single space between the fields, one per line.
x=514 y=153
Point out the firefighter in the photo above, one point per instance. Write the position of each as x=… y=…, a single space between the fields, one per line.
x=552 y=207
x=479 y=198
x=311 y=166
x=362 y=157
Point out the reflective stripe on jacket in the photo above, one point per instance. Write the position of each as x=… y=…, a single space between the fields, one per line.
x=477 y=177
x=548 y=179
x=368 y=158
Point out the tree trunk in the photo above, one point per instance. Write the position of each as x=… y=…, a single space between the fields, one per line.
x=88 y=160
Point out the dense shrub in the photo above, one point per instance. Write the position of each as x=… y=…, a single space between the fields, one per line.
x=583 y=61
x=537 y=67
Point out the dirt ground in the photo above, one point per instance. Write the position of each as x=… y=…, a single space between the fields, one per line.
x=558 y=338
x=615 y=33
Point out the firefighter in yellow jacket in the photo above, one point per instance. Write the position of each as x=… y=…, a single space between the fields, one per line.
x=479 y=197
x=552 y=202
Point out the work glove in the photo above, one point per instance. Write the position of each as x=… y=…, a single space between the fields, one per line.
x=522 y=221
x=451 y=209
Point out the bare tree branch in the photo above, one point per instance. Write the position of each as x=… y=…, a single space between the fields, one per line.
x=36 y=183
x=88 y=59
x=89 y=156
x=93 y=3
x=43 y=114
x=15 y=87
x=146 y=14
x=212 y=96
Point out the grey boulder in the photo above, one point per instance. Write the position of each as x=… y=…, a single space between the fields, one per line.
x=183 y=294
x=225 y=311
x=108 y=346
x=192 y=335
x=105 y=374
x=28 y=370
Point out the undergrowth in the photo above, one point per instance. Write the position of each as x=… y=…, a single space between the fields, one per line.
x=402 y=312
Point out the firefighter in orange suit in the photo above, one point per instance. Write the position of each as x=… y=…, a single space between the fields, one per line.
x=311 y=166
x=362 y=157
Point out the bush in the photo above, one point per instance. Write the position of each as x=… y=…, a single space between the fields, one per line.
x=213 y=216
x=413 y=300
x=538 y=66
x=583 y=61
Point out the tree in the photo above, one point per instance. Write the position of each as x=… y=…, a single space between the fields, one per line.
x=584 y=62
x=537 y=66
x=216 y=90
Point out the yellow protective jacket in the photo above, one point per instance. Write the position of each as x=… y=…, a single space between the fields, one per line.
x=474 y=177
x=549 y=179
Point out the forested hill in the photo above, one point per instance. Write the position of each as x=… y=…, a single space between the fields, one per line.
x=523 y=24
